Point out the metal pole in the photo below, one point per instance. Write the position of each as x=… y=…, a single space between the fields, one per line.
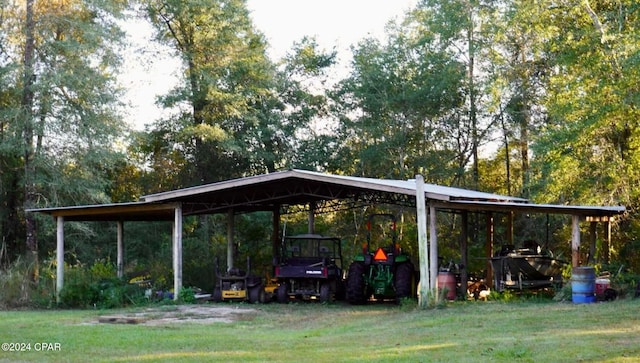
x=59 y=257
x=120 y=249
x=177 y=251
x=433 y=250
x=230 y=243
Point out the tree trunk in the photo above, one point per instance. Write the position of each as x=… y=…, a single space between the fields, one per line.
x=29 y=166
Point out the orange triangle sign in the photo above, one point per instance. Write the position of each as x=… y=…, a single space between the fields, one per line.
x=380 y=255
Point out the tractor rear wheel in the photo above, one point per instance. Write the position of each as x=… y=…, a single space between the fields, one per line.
x=355 y=284
x=403 y=280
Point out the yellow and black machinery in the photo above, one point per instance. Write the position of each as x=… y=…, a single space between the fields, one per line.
x=238 y=285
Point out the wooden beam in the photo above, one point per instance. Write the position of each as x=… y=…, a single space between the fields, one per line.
x=600 y=218
x=59 y=257
x=575 y=240
x=421 y=218
x=177 y=251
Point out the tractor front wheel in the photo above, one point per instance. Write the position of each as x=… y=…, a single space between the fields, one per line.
x=356 y=284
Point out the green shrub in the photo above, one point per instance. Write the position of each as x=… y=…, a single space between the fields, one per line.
x=16 y=285
x=187 y=295
x=98 y=287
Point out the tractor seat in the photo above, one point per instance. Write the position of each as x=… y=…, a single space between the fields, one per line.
x=236 y=272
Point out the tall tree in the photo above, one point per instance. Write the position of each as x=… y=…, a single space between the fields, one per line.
x=517 y=74
x=227 y=80
x=60 y=58
x=400 y=107
x=306 y=126
x=587 y=153
x=458 y=27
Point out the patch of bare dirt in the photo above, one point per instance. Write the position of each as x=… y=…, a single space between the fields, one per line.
x=202 y=314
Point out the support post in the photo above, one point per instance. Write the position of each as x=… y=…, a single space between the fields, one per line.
x=177 y=251
x=312 y=218
x=606 y=241
x=433 y=250
x=510 y=228
x=488 y=248
x=275 y=234
x=575 y=241
x=120 y=249
x=464 y=254
x=593 y=236
x=231 y=247
x=421 y=218
x=59 y=257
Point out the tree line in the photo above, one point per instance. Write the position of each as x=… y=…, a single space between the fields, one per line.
x=537 y=99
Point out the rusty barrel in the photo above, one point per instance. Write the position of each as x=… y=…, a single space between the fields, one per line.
x=447 y=281
x=583 y=281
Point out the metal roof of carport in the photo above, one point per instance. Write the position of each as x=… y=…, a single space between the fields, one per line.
x=295 y=187
x=135 y=211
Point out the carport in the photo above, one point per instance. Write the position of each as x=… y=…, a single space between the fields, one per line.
x=320 y=192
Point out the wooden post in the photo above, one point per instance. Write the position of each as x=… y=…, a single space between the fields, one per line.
x=421 y=218
x=433 y=250
x=120 y=250
x=464 y=258
x=575 y=241
x=59 y=257
x=177 y=251
x=275 y=233
x=230 y=242
x=311 y=228
x=606 y=241
x=488 y=249
x=509 y=228
x=593 y=235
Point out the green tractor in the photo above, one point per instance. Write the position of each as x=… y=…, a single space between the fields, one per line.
x=383 y=272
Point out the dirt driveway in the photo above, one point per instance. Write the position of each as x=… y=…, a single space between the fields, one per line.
x=171 y=314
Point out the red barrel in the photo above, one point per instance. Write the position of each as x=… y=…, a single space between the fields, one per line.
x=602 y=284
x=447 y=281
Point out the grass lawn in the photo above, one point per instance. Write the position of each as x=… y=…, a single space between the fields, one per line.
x=311 y=332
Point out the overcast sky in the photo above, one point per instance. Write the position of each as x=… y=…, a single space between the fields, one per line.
x=334 y=23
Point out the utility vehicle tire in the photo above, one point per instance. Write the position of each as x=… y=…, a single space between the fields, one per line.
x=355 y=284
x=325 y=292
x=256 y=294
x=283 y=296
x=403 y=280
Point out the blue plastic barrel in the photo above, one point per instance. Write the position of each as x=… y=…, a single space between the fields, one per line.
x=583 y=285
